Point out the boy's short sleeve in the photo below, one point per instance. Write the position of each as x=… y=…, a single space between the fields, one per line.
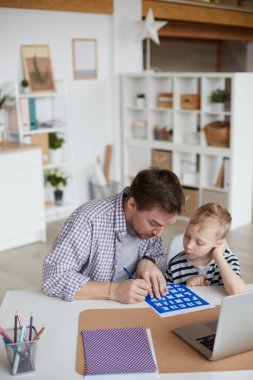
x=233 y=261
x=168 y=274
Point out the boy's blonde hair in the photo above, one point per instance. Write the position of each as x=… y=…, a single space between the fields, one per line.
x=212 y=214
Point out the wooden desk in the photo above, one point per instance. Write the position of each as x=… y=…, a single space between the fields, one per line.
x=56 y=355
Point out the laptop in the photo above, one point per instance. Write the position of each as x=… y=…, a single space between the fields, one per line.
x=230 y=335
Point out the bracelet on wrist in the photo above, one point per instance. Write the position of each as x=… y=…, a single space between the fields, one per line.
x=109 y=291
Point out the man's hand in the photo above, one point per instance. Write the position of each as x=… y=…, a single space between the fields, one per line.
x=197 y=281
x=130 y=291
x=153 y=277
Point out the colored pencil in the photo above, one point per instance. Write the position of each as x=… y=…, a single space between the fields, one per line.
x=15 y=327
x=37 y=336
x=5 y=335
x=31 y=328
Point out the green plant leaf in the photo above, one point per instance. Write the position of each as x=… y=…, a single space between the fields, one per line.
x=55 y=142
x=219 y=96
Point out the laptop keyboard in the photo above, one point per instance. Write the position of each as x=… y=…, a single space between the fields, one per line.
x=207 y=341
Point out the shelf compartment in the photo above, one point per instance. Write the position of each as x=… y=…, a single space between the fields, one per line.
x=215 y=196
x=186 y=125
x=213 y=172
x=186 y=166
x=161 y=124
x=161 y=159
x=191 y=200
x=186 y=86
x=133 y=122
x=210 y=84
x=157 y=86
x=134 y=86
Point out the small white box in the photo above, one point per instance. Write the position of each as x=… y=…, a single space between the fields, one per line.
x=140 y=129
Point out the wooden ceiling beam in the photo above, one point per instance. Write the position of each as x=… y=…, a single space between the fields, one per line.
x=196 y=13
x=88 y=6
x=205 y=32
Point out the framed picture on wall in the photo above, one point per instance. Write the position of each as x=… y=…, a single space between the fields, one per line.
x=84 y=58
x=38 y=67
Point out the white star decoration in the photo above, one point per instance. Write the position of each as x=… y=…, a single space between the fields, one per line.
x=150 y=27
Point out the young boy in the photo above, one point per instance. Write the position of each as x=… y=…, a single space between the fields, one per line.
x=205 y=261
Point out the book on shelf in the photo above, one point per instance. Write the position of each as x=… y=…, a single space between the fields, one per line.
x=121 y=351
x=179 y=300
x=220 y=179
x=25 y=114
x=32 y=109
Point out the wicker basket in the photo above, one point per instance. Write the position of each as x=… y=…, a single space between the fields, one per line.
x=217 y=133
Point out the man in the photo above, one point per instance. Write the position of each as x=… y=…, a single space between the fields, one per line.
x=105 y=235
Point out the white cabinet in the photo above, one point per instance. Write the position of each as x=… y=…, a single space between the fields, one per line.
x=22 y=216
x=175 y=112
x=32 y=116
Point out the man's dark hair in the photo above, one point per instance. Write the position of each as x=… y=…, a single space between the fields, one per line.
x=157 y=187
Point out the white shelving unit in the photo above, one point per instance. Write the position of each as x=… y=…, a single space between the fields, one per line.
x=196 y=163
x=50 y=106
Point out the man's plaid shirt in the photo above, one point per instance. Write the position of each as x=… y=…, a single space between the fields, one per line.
x=88 y=247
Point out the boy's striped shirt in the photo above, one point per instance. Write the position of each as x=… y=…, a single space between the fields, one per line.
x=180 y=269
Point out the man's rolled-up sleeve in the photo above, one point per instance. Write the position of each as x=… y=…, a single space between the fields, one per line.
x=154 y=249
x=64 y=269
x=62 y=282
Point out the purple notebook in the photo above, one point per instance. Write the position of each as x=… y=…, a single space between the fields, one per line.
x=117 y=351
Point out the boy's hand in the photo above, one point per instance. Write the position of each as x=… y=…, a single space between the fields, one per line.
x=218 y=251
x=196 y=281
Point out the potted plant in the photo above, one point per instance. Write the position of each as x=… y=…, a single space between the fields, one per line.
x=55 y=144
x=219 y=98
x=24 y=85
x=57 y=179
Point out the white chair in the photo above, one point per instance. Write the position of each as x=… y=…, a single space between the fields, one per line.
x=176 y=246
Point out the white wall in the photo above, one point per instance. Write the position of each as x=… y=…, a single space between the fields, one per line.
x=93 y=104
x=89 y=100
x=127 y=57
